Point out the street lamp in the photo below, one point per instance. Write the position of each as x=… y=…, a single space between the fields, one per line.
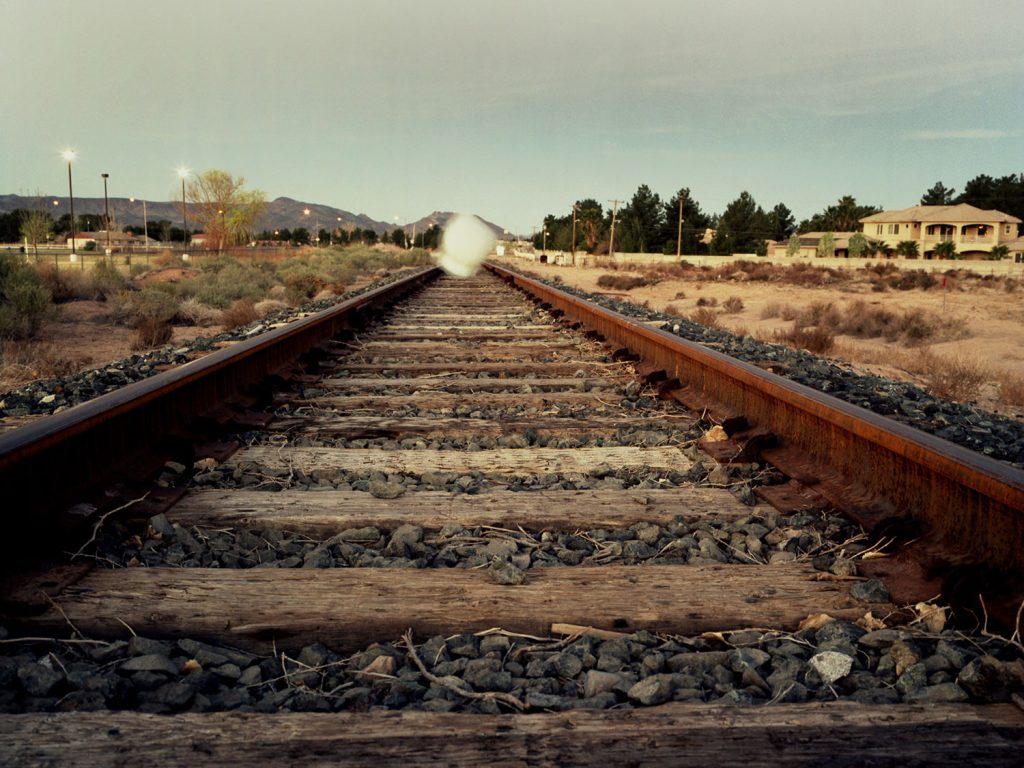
x=544 y=247
x=69 y=155
x=223 y=229
x=106 y=210
x=183 y=173
x=145 y=227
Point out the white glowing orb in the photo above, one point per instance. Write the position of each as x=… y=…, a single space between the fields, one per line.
x=464 y=245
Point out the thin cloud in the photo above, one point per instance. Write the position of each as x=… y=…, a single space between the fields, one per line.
x=968 y=133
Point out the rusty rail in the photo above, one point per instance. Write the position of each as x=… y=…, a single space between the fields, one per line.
x=963 y=496
x=51 y=462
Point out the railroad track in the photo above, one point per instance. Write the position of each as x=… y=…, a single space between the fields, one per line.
x=443 y=524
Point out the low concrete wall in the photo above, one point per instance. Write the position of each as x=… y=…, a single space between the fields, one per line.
x=1004 y=267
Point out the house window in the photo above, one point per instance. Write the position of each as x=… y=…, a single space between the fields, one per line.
x=982 y=230
x=878 y=231
x=930 y=230
x=1007 y=229
x=894 y=229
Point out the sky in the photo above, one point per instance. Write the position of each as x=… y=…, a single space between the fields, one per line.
x=512 y=109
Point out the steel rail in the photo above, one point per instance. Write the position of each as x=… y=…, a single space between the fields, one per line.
x=964 y=496
x=52 y=461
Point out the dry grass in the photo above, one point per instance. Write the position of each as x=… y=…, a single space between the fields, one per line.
x=707 y=301
x=817 y=341
x=706 y=317
x=242 y=312
x=194 y=312
x=152 y=332
x=22 y=361
x=958 y=377
x=624 y=282
x=733 y=305
x=270 y=306
x=675 y=309
x=1011 y=388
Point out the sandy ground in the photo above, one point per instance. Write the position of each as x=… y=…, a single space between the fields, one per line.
x=992 y=319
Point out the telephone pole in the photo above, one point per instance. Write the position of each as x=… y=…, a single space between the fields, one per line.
x=679 y=236
x=611 y=238
x=574 y=207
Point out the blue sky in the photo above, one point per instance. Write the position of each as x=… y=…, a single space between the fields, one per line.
x=514 y=109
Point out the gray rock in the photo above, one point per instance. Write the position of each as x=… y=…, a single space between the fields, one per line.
x=943 y=693
x=404 y=539
x=913 y=679
x=870 y=591
x=831 y=666
x=596 y=681
x=547 y=701
x=989 y=679
x=655 y=689
x=880 y=638
x=151 y=662
x=698 y=662
x=382 y=489
x=747 y=657
x=566 y=664
x=175 y=695
x=38 y=679
x=503 y=572
x=161 y=525
x=487 y=675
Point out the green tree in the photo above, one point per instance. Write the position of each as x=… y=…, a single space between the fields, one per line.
x=642 y=222
x=999 y=252
x=741 y=228
x=944 y=250
x=1005 y=194
x=589 y=223
x=781 y=223
x=858 y=245
x=695 y=221
x=36 y=226
x=10 y=226
x=907 y=249
x=827 y=246
x=844 y=216
x=793 y=246
x=398 y=237
x=223 y=209
x=300 y=236
x=939 y=194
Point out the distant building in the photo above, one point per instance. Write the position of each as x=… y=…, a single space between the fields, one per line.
x=974 y=231
x=118 y=240
x=809 y=242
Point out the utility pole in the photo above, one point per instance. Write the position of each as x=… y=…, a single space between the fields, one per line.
x=106 y=210
x=574 y=207
x=679 y=236
x=611 y=238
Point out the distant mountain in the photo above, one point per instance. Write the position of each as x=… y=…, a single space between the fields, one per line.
x=440 y=218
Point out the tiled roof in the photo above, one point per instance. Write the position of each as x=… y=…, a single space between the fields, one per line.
x=961 y=213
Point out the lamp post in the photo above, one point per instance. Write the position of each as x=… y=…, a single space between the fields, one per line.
x=145 y=227
x=544 y=247
x=223 y=229
x=183 y=173
x=69 y=155
x=575 y=206
x=106 y=210
x=336 y=229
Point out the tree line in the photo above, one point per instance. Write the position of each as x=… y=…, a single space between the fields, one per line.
x=648 y=224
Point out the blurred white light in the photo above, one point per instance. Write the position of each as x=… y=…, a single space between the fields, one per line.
x=464 y=245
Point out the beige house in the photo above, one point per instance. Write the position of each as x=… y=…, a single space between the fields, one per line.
x=974 y=231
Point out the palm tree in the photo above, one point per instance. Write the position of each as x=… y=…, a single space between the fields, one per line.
x=945 y=249
x=907 y=249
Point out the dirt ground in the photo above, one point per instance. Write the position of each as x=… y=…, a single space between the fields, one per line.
x=992 y=319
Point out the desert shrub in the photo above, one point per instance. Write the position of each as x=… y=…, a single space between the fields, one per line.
x=707 y=301
x=679 y=295
x=821 y=314
x=675 y=309
x=913 y=279
x=152 y=333
x=278 y=292
x=64 y=285
x=165 y=259
x=623 y=282
x=732 y=305
x=818 y=341
x=789 y=312
x=882 y=268
x=24 y=301
x=770 y=310
x=269 y=307
x=959 y=377
x=241 y=312
x=226 y=281
x=106 y=281
x=191 y=311
x=706 y=317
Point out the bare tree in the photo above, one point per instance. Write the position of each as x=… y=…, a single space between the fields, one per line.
x=36 y=226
